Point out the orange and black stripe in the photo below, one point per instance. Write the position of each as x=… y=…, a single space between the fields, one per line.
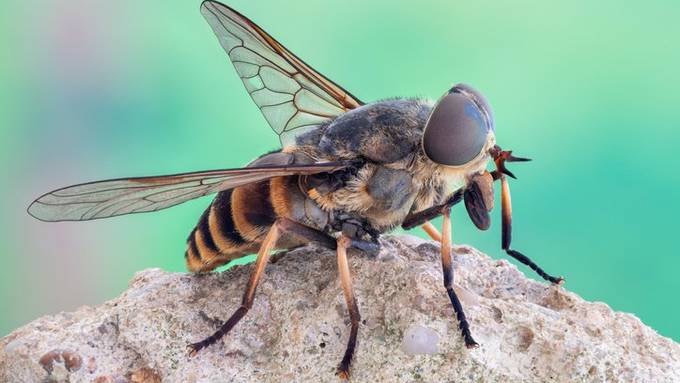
x=231 y=227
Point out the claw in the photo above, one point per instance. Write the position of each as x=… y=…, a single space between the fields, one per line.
x=192 y=350
x=342 y=374
x=471 y=346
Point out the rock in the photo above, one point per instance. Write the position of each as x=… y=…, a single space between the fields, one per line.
x=298 y=327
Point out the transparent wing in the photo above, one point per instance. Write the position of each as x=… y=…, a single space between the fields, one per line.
x=103 y=199
x=292 y=96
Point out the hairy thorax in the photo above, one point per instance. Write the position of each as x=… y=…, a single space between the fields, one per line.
x=394 y=177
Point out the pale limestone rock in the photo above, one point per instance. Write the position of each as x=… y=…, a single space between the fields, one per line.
x=298 y=327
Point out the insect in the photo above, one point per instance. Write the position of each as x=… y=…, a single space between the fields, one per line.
x=347 y=172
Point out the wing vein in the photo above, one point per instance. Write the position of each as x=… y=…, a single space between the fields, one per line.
x=251 y=49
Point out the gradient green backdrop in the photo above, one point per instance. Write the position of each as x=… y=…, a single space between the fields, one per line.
x=100 y=89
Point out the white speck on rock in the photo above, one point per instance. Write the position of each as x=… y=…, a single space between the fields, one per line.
x=420 y=340
x=13 y=345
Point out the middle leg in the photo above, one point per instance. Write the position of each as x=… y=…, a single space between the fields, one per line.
x=346 y=282
x=432 y=231
x=341 y=244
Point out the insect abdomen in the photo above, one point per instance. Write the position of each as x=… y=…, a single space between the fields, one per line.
x=231 y=227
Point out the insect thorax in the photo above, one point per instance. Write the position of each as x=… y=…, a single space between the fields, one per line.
x=395 y=177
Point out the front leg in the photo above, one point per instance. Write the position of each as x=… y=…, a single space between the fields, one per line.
x=506 y=232
x=447 y=269
x=478 y=195
x=421 y=217
x=500 y=158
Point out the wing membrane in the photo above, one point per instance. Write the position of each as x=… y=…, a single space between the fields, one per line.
x=115 y=197
x=291 y=95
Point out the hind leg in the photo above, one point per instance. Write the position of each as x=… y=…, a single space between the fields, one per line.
x=283 y=225
x=249 y=295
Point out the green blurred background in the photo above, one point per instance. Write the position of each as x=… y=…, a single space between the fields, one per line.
x=100 y=89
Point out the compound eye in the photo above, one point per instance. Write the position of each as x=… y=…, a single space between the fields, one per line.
x=456 y=131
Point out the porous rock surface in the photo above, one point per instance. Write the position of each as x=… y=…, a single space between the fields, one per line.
x=298 y=327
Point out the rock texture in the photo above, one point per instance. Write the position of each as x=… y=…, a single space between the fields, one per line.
x=298 y=327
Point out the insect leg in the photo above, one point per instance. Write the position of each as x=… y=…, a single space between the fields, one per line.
x=447 y=270
x=432 y=231
x=419 y=218
x=308 y=233
x=346 y=282
x=506 y=207
x=262 y=259
x=313 y=235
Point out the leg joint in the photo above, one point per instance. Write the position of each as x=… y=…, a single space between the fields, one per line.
x=448 y=280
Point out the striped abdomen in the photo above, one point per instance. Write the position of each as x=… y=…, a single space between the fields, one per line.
x=231 y=227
